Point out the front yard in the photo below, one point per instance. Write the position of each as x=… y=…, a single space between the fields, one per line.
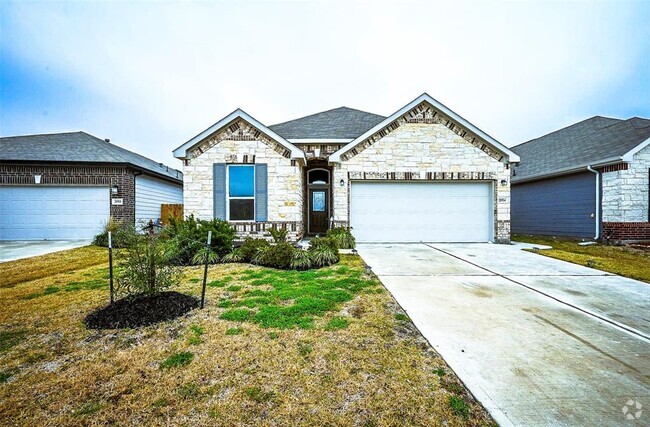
x=317 y=347
x=622 y=260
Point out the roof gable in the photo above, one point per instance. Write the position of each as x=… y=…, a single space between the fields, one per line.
x=78 y=147
x=237 y=125
x=338 y=123
x=425 y=109
x=591 y=142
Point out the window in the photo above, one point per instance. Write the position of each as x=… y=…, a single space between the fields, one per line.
x=241 y=192
x=318 y=176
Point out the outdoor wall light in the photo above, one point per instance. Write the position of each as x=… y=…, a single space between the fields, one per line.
x=504 y=182
x=342 y=183
x=114 y=189
x=37 y=179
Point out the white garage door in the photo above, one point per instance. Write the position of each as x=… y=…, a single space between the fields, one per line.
x=51 y=213
x=421 y=211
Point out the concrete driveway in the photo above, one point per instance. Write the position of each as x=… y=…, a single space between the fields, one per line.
x=12 y=250
x=538 y=341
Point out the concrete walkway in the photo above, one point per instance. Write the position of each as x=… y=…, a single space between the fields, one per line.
x=538 y=341
x=13 y=250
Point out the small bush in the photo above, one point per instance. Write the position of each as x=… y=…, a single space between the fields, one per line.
x=187 y=238
x=279 y=234
x=251 y=247
x=121 y=234
x=278 y=256
x=301 y=260
x=342 y=236
x=177 y=360
x=234 y=256
x=323 y=251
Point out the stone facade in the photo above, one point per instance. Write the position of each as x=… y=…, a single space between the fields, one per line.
x=625 y=192
x=90 y=175
x=285 y=186
x=425 y=151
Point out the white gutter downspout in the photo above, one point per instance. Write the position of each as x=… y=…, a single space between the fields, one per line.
x=597 y=201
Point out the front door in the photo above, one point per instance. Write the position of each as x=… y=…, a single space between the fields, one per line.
x=318 y=210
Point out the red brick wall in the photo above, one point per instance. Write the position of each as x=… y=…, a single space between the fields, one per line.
x=23 y=174
x=626 y=230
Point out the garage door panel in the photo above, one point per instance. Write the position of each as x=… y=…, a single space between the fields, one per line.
x=37 y=213
x=414 y=212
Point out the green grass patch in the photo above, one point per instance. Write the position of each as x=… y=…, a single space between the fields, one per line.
x=6 y=374
x=86 y=285
x=9 y=339
x=337 y=323
x=256 y=394
x=177 y=360
x=88 y=408
x=195 y=337
x=295 y=298
x=440 y=372
x=220 y=283
x=234 y=331
x=402 y=317
x=459 y=406
x=273 y=335
x=188 y=391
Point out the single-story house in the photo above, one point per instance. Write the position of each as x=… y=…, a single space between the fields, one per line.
x=67 y=185
x=421 y=174
x=588 y=180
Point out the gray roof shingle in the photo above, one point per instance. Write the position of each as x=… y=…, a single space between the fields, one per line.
x=76 y=147
x=588 y=142
x=339 y=123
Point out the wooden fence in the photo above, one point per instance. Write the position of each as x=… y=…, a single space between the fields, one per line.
x=170 y=211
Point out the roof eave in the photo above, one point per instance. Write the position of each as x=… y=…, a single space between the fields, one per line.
x=181 y=152
x=629 y=156
x=570 y=170
x=512 y=157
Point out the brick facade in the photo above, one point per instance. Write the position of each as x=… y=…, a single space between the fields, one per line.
x=60 y=175
x=626 y=231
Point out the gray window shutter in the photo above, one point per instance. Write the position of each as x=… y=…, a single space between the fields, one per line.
x=219 y=190
x=261 y=192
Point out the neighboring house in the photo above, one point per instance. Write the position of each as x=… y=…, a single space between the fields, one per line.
x=67 y=185
x=422 y=174
x=588 y=180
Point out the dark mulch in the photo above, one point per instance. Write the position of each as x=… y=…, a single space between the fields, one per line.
x=141 y=310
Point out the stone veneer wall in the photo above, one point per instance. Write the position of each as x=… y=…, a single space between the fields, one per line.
x=424 y=151
x=285 y=194
x=625 y=192
x=88 y=175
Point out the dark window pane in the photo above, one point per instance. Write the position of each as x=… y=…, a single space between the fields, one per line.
x=242 y=209
x=241 y=181
x=319 y=177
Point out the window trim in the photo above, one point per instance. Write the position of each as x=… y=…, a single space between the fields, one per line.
x=228 y=198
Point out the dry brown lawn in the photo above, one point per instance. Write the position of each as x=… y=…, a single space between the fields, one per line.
x=357 y=361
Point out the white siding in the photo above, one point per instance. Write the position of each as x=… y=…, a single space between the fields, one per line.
x=52 y=213
x=150 y=193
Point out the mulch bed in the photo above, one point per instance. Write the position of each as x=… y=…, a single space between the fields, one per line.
x=141 y=310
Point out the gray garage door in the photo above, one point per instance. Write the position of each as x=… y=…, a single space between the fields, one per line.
x=421 y=211
x=52 y=213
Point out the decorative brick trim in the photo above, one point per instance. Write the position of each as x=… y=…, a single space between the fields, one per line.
x=240 y=130
x=261 y=229
x=428 y=176
x=325 y=150
x=626 y=231
x=425 y=113
x=614 y=168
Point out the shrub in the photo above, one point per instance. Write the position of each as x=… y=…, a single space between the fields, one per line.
x=121 y=234
x=251 y=247
x=301 y=260
x=277 y=256
x=145 y=268
x=187 y=238
x=323 y=251
x=342 y=236
x=279 y=234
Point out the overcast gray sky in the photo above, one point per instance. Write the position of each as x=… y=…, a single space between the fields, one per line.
x=149 y=76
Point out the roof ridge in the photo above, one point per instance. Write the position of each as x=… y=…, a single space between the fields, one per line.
x=325 y=111
x=570 y=126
